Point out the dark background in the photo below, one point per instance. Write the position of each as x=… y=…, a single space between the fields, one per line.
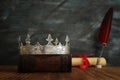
x=80 y=19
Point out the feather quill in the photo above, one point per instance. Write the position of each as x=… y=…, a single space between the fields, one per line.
x=104 y=33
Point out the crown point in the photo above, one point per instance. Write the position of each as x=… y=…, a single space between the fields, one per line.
x=38 y=43
x=27 y=40
x=49 y=39
x=56 y=42
x=67 y=40
x=60 y=44
x=19 y=39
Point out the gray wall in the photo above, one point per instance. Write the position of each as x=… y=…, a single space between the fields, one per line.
x=80 y=19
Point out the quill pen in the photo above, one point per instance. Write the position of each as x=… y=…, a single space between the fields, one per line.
x=104 y=32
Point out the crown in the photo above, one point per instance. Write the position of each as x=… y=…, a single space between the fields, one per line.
x=52 y=47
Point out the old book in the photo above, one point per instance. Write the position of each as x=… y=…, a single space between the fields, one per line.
x=45 y=63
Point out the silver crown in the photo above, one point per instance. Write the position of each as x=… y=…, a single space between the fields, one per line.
x=50 y=48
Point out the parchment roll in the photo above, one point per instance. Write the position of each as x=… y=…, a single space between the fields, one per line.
x=92 y=60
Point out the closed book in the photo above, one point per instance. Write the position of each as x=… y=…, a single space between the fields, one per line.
x=45 y=63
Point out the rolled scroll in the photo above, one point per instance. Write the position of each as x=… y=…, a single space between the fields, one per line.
x=92 y=61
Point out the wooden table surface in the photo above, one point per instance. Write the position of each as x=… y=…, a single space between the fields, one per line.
x=106 y=73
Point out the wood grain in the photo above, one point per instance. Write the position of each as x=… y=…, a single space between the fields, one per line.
x=92 y=73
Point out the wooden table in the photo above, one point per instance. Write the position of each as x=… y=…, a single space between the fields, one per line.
x=106 y=73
